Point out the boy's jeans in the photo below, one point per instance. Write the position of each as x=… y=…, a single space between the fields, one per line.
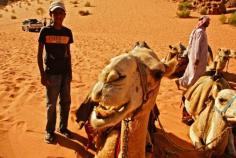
x=59 y=86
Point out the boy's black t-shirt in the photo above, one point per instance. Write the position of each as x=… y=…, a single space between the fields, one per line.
x=56 y=43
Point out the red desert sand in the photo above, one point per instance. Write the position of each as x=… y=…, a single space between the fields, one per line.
x=111 y=28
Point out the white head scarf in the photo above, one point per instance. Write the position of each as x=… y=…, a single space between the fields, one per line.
x=202 y=20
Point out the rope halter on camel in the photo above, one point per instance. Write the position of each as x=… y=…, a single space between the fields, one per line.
x=222 y=112
x=143 y=82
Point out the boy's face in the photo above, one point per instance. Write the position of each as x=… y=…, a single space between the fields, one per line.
x=58 y=16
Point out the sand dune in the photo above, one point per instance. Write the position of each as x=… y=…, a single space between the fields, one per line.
x=112 y=28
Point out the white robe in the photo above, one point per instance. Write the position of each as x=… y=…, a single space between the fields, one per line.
x=198 y=50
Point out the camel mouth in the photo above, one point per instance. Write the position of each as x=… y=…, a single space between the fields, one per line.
x=231 y=119
x=104 y=111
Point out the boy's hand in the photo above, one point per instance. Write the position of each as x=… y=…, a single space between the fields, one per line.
x=44 y=80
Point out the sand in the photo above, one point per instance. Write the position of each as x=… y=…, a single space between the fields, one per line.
x=110 y=29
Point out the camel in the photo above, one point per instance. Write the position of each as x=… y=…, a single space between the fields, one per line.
x=125 y=95
x=178 y=59
x=175 y=50
x=212 y=130
x=196 y=96
x=221 y=60
x=233 y=53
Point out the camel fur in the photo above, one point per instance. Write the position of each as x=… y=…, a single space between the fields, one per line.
x=221 y=60
x=125 y=94
x=196 y=96
x=178 y=59
x=212 y=130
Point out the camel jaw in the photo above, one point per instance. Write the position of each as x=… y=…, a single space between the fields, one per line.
x=101 y=119
x=107 y=112
x=231 y=119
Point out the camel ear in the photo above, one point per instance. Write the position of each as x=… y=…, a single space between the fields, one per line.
x=136 y=44
x=215 y=90
x=180 y=44
x=144 y=44
x=182 y=47
x=232 y=53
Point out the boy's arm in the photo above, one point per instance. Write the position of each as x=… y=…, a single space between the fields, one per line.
x=69 y=62
x=40 y=63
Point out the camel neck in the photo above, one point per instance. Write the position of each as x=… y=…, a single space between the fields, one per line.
x=136 y=136
x=137 y=132
x=215 y=129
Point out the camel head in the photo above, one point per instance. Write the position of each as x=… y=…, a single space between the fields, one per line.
x=177 y=58
x=125 y=84
x=213 y=126
x=224 y=53
x=225 y=104
x=220 y=61
x=176 y=50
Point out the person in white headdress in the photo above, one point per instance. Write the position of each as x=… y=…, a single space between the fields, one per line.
x=197 y=54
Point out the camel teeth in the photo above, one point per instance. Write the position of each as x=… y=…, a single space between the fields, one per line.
x=121 y=109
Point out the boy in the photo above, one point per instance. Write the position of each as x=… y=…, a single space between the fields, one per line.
x=58 y=72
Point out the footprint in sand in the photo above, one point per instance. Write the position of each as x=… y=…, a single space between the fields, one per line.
x=12 y=95
x=79 y=85
x=6 y=117
x=20 y=79
x=21 y=125
x=5 y=77
x=4 y=106
x=7 y=89
x=16 y=89
x=32 y=89
x=26 y=75
x=12 y=73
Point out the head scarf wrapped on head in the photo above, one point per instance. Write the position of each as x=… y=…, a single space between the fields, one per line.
x=202 y=20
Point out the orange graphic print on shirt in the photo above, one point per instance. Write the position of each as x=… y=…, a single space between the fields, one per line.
x=57 y=39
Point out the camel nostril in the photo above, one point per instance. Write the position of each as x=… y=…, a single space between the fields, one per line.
x=97 y=91
x=99 y=94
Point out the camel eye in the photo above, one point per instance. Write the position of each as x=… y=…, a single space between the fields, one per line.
x=114 y=76
x=222 y=100
x=175 y=49
x=158 y=74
